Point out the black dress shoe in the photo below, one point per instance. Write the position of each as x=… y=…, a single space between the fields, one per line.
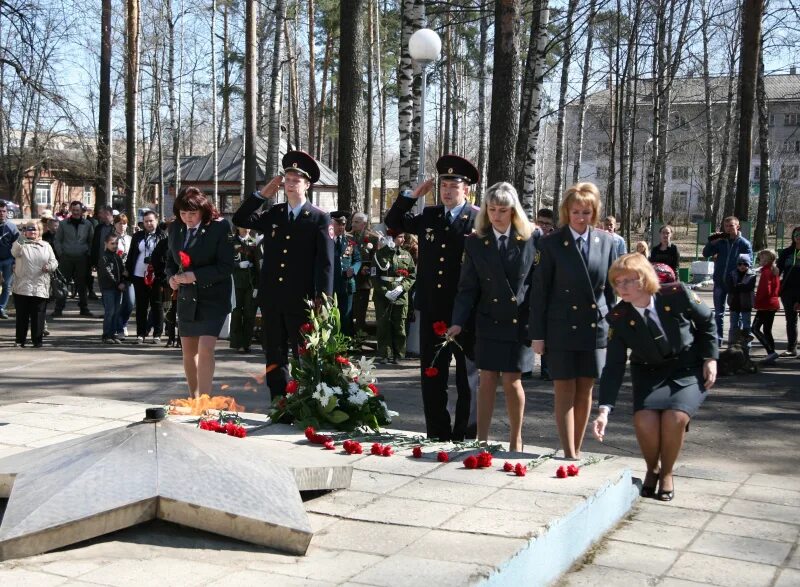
x=87 y=313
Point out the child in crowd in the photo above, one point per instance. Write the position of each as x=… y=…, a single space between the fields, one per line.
x=642 y=248
x=767 y=303
x=112 y=278
x=741 y=284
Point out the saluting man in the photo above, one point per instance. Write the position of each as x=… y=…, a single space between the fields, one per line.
x=346 y=265
x=441 y=230
x=298 y=260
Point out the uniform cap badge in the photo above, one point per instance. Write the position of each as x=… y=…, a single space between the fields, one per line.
x=667 y=308
x=537 y=258
x=450 y=170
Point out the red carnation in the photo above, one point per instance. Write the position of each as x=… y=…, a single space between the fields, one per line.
x=573 y=470
x=431 y=372
x=387 y=451
x=346 y=445
x=508 y=467
x=471 y=462
x=307 y=328
x=310 y=432
x=377 y=449
x=417 y=452
x=342 y=360
x=357 y=448
x=120 y=253
x=440 y=328
x=329 y=445
x=302 y=350
x=186 y=260
x=520 y=470
x=291 y=386
x=561 y=472
x=402 y=273
x=484 y=459
x=366 y=240
x=373 y=388
x=442 y=457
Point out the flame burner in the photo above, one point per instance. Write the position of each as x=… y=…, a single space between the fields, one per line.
x=200 y=406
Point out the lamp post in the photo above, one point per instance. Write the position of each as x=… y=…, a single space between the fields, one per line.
x=425 y=47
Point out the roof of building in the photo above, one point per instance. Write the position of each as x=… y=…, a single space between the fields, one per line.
x=200 y=168
x=691 y=90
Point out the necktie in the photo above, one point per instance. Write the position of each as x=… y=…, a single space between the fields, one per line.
x=580 y=243
x=661 y=341
x=503 y=248
x=189 y=237
x=449 y=217
x=291 y=216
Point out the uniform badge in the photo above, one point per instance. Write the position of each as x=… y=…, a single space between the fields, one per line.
x=537 y=257
x=486 y=242
x=306 y=213
x=518 y=237
x=566 y=243
x=667 y=308
x=429 y=234
x=274 y=226
x=330 y=231
x=632 y=322
x=464 y=216
x=610 y=333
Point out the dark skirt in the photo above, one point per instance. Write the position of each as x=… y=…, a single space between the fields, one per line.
x=208 y=327
x=573 y=364
x=502 y=355
x=669 y=395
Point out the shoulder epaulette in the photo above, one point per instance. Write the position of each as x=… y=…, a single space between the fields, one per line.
x=616 y=313
x=669 y=289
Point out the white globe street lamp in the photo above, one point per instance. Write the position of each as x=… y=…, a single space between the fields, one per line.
x=425 y=47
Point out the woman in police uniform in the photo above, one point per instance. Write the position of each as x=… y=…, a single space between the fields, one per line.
x=495 y=287
x=672 y=337
x=204 y=285
x=570 y=296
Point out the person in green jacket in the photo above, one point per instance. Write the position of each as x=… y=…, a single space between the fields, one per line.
x=245 y=280
x=393 y=274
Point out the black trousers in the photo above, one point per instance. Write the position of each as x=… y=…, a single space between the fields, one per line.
x=788 y=300
x=762 y=329
x=74 y=268
x=434 y=389
x=360 y=305
x=30 y=312
x=148 y=298
x=281 y=334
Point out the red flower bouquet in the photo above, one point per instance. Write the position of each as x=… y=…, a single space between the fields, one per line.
x=431 y=371
x=291 y=387
x=186 y=260
x=440 y=329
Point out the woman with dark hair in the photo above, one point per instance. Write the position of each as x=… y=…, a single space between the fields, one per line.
x=139 y=265
x=199 y=268
x=789 y=268
x=666 y=252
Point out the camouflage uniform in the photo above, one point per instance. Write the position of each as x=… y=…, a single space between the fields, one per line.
x=388 y=268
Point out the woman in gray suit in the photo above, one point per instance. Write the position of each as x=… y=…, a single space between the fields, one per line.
x=495 y=288
x=570 y=297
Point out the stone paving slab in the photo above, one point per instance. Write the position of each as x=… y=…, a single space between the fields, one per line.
x=404 y=521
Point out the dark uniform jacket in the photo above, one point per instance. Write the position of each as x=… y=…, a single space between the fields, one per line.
x=245 y=250
x=367 y=243
x=298 y=257
x=211 y=253
x=441 y=246
x=690 y=330
x=346 y=255
x=569 y=299
x=497 y=290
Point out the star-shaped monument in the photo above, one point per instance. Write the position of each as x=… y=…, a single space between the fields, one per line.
x=84 y=488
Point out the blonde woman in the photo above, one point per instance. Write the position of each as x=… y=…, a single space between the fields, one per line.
x=570 y=297
x=495 y=288
x=642 y=248
x=672 y=339
x=34 y=261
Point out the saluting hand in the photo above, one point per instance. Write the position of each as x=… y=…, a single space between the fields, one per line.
x=423 y=188
x=269 y=190
x=710 y=373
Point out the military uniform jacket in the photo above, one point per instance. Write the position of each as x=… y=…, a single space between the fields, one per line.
x=393 y=267
x=441 y=246
x=367 y=243
x=690 y=330
x=345 y=255
x=245 y=251
x=497 y=291
x=298 y=257
x=569 y=299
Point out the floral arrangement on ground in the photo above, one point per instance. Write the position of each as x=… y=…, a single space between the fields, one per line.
x=327 y=388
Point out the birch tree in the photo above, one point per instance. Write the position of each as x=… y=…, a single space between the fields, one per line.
x=131 y=103
x=412 y=18
x=275 y=94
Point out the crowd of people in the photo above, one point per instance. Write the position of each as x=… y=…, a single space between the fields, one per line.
x=505 y=288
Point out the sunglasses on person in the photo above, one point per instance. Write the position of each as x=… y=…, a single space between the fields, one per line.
x=30 y=229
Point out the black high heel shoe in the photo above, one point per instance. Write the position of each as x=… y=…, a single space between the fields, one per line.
x=663 y=495
x=649 y=490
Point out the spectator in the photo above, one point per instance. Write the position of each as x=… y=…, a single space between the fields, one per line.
x=63 y=211
x=35 y=261
x=73 y=247
x=104 y=227
x=741 y=285
x=665 y=252
x=610 y=225
x=111 y=277
x=767 y=303
x=124 y=241
x=544 y=220
x=725 y=248
x=50 y=226
x=789 y=268
x=367 y=242
x=8 y=236
x=146 y=287
x=642 y=248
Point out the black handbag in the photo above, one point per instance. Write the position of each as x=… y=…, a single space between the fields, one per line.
x=58 y=286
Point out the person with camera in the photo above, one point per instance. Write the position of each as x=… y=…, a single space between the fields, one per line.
x=34 y=262
x=146 y=287
x=725 y=247
x=73 y=246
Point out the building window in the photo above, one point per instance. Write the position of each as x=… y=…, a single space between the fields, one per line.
x=603 y=148
x=680 y=172
x=678 y=120
x=679 y=201
x=43 y=194
x=791 y=119
x=602 y=172
x=757 y=172
x=790 y=171
x=772 y=120
x=88 y=196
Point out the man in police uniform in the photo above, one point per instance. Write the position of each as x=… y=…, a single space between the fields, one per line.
x=346 y=265
x=298 y=260
x=367 y=243
x=441 y=230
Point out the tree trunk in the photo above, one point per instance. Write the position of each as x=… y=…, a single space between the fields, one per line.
x=102 y=185
x=322 y=113
x=587 y=70
x=708 y=183
x=752 y=11
x=505 y=91
x=370 y=112
x=276 y=94
x=381 y=95
x=566 y=58
x=760 y=233
x=294 y=90
x=312 y=80
x=482 y=74
x=250 y=97
x=352 y=54
x=213 y=86
x=226 y=76
x=131 y=102
x=411 y=15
